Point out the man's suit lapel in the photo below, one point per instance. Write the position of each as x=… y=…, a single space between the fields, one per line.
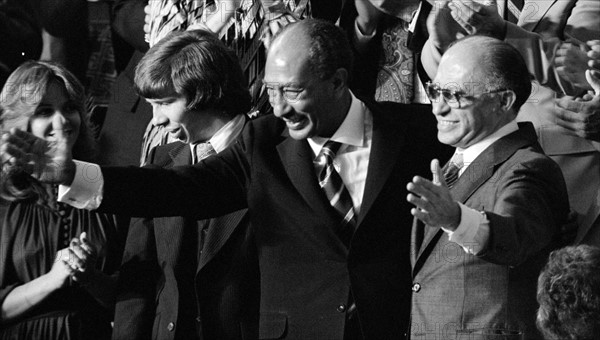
x=226 y=225
x=387 y=143
x=297 y=159
x=181 y=154
x=476 y=174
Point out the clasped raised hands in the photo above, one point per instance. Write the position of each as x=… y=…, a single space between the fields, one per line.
x=77 y=262
x=451 y=20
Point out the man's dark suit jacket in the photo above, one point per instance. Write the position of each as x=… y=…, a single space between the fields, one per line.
x=523 y=194
x=307 y=273
x=166 y=292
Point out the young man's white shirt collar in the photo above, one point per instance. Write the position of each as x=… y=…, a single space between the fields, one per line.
x=227 y=134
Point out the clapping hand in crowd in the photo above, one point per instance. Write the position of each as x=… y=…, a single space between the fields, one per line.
x=478 y=17
x=278 y=17
x=442 y=27
x=581 y=114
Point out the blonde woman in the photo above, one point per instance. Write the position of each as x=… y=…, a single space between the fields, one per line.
x=55 y=261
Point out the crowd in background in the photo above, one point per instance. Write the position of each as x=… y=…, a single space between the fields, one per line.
x=424 y=169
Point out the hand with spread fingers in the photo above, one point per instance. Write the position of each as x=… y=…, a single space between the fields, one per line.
x=433 y=203
x=442 y=27
x=46 y=161
x=478 y=17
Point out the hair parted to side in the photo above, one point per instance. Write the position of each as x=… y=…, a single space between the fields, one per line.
x=569 y=294
x=503 y=65
x=20 y=96
x=198 y=66
x=329 y=47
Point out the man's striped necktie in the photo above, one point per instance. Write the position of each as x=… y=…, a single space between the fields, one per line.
x=452 y=170
x=333 y=186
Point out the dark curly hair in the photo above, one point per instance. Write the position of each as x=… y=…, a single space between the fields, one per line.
x=569 y=294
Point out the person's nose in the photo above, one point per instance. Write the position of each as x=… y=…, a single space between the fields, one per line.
x=440 y=107
x=64 y=119
x=280 y=106
x=158 y=118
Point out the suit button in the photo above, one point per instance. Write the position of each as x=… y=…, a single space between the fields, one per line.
x=341 y=308
x=171 y=326
x=416 y=287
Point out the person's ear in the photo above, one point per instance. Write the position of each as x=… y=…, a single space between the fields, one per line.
x=507 y=99
x=340 y=79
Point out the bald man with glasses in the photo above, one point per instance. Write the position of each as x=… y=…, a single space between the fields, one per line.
x=485 y=224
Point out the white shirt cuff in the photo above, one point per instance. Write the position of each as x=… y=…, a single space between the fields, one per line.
x=86 y=190
x=473 y=232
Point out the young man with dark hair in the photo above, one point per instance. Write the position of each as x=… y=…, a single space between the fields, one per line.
x=182 y=278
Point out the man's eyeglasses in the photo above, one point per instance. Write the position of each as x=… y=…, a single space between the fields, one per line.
x=456 y=99
x=290 y=93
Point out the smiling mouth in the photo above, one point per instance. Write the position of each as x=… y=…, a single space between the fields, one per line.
x=447 y=122
x=293 y=120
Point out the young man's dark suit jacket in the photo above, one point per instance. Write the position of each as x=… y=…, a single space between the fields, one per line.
x=306 y=271
x=524 y=196
x=163 y=284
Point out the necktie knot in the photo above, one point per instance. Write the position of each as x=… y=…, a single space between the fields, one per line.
x=330 y=149
x=452 y=169
x=203 y=150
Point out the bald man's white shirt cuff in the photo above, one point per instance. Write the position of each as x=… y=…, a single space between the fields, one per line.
x=473 y=232
x=86 y=190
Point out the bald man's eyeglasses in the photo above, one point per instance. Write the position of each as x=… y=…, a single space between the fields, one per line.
x=290 y=92
x=455 y=99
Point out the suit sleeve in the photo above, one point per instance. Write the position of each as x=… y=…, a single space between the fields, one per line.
x=211 y=188
x=135 y=303
x=531 y=206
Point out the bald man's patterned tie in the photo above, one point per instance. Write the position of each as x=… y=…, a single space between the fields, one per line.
x=452 y=170
x=333 y=186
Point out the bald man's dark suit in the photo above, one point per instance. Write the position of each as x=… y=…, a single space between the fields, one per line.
x=167 y=292
x=306 y=271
